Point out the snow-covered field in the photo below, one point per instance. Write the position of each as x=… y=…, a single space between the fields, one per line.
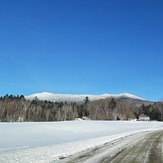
x=48 y=141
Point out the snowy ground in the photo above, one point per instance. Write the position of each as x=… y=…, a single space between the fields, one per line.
x=49 y=141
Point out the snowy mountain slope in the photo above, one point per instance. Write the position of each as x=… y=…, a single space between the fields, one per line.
x=79 y=98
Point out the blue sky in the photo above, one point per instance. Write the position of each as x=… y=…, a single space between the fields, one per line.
x=82 y=46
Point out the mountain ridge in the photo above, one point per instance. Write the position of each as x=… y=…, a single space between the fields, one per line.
x=79 y=97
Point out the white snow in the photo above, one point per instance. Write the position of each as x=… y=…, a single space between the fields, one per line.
x=48 y=141
x=77 y=98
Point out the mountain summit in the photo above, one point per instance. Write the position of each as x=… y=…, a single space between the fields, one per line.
x=79 y=97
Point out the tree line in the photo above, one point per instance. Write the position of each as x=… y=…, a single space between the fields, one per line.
x=17 y=108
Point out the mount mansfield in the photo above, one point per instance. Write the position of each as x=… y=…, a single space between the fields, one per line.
x=61 y=107
x=125 y=97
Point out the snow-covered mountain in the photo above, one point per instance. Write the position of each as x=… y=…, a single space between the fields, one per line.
x=80 y=97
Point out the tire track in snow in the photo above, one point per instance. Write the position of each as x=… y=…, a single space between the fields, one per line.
x=147 y=150
x=144 y=147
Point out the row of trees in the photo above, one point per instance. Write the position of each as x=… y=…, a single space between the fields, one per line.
x=17 y=108
x=154 y=111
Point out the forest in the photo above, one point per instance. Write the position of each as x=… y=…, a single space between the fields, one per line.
x=18 y=109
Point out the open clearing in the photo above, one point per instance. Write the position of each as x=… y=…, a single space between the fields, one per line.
x=80 y=141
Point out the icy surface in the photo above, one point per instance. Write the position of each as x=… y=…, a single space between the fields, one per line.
x=48 y=141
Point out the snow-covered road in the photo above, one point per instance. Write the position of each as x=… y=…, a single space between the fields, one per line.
x=143 y=147
x=48 y=141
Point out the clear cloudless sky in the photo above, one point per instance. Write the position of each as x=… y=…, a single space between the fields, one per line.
x=82 y=47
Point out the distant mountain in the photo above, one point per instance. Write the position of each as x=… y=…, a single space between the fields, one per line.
x=101 y=107
x=138 y=102
x=125 y=97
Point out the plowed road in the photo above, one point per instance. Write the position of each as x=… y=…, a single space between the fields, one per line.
x=145 y=147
